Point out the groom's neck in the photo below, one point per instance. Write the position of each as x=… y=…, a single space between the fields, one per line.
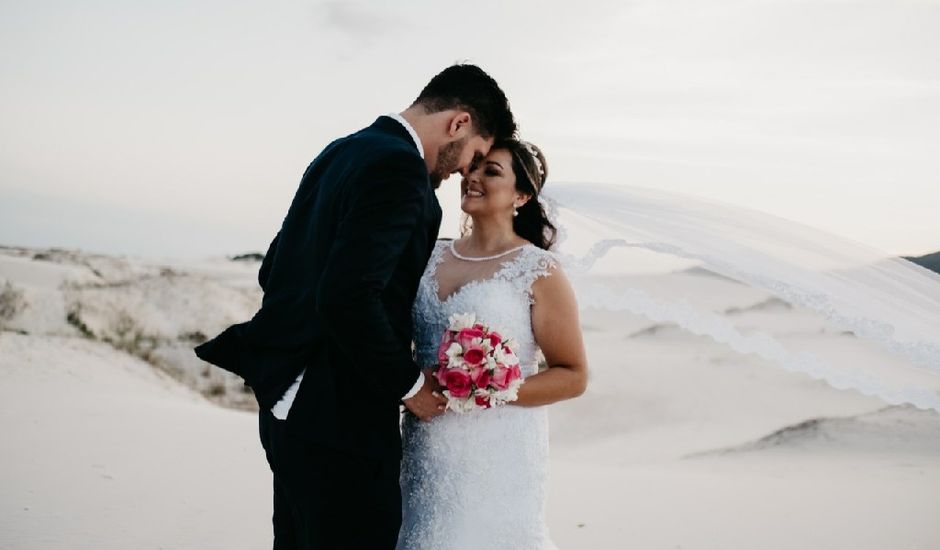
x=425 y=126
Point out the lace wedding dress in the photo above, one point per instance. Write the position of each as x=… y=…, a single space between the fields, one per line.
x=477 y=480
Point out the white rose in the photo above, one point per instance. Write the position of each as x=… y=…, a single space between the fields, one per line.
x=499 y=355
x=460 y=321
x=454 y=351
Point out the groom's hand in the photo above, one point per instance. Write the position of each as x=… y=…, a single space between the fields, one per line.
x=428 y=402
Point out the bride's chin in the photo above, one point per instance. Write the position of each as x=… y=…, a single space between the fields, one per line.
x=467 y=205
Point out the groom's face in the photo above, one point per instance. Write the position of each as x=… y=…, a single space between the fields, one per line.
x=459 y=156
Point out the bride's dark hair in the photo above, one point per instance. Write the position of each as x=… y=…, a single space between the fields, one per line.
x=531 y=171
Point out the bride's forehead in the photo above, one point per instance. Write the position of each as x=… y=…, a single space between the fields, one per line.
x=500 y=156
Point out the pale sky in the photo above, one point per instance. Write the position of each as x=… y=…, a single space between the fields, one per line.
x=181 y=129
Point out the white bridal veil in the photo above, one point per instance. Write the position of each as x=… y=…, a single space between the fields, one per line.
x=876 y=299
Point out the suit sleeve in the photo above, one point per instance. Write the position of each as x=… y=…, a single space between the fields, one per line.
x=265 y=270
x=383 y=212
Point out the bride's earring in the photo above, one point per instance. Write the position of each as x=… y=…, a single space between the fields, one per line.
x=515 y=212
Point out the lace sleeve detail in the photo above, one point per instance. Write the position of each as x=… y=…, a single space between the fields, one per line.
x=436 y=255
x=531 y=263
x=430 y=278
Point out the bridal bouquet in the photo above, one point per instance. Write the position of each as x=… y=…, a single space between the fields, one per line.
x=478 y=366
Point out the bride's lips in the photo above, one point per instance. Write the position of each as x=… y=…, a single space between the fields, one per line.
x=473 y=193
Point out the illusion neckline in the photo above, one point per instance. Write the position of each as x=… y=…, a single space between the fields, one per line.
x=459 y=256
x=438 y=257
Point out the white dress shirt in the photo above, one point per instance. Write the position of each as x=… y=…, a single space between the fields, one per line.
x=282 y=407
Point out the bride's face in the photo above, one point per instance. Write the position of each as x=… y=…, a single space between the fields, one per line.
x=490 y=187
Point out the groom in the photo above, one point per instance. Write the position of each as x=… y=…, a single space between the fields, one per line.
x=328 y=355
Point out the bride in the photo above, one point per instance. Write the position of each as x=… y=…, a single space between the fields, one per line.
x=478 y=479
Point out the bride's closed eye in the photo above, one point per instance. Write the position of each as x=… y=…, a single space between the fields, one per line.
x=493 y=169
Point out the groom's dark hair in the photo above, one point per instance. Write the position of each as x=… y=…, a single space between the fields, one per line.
x=469 y=88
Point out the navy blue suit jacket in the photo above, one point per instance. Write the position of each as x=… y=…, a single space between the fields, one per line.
x=339 y=281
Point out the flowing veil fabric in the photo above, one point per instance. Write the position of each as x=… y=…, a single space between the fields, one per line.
x=883 y=301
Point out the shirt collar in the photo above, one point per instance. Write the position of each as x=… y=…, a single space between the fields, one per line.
x=414 y=135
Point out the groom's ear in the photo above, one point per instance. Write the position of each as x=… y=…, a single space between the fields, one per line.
x=461 y=124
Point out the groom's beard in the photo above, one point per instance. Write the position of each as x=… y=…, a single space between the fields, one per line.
x=448 y=160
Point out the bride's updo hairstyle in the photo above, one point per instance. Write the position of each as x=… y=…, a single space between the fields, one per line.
x=531 y=171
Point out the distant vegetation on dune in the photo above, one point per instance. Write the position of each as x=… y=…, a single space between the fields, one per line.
x=154 y=312
x=930 y=261
x=248 y=257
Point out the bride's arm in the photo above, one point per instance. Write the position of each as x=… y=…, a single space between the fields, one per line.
x=557 y=331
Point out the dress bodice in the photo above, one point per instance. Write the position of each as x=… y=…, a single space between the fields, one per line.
x=478 y=479
x=501 y=300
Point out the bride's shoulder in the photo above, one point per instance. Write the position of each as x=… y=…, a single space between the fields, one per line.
x=539 y=259
x=442 y=244
x=532 y=266
x=549 y=285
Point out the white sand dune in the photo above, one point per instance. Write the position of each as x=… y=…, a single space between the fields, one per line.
x=103 y=452
x=798 y=501
x=155 y=312
x=888 y=432
x=680 y=443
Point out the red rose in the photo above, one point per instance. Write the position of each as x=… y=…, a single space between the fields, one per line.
x=474 y=355
x=457 y=381
x=495 y=339
x=483 y=401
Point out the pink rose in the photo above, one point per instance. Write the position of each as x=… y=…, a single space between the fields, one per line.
x=449 y=336
x=439 y=374
x=504 y=375
x=480 y=376
x=515 y=373
x=495 y=339
x=483 y=401
x=501 y=376
x=479 y=326
x=457 y=381
x=473 y=355
x=466 y=336
x=442 y=358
